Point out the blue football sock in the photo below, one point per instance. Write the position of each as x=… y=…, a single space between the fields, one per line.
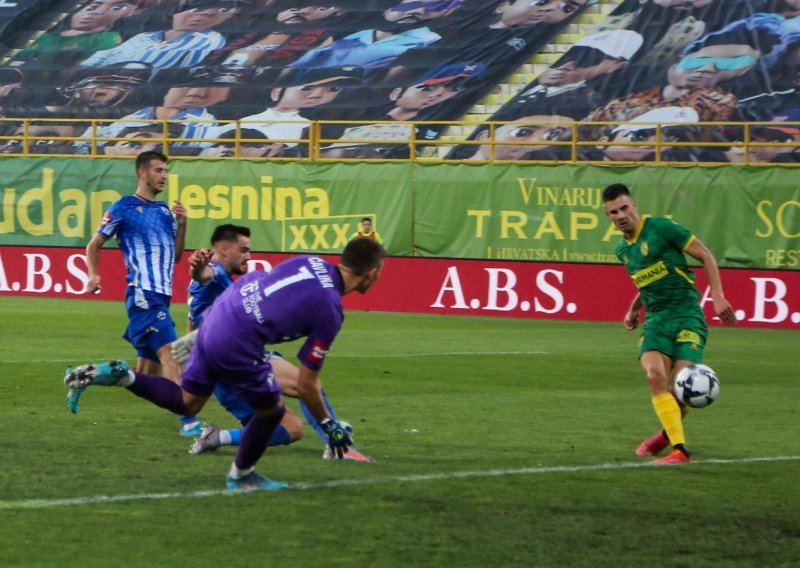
x=280 y=437
x=236 y=436
x=313 y=421
x=186 y=420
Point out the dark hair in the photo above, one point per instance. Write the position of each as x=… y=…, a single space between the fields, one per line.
x=143 y=160
x=362 y=254
x=228 y=232
x=582 y=56
x=615 y=190
x=366 y=219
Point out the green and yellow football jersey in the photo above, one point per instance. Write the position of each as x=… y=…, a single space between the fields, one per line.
x=656 y=263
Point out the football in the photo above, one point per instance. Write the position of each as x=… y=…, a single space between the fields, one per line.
x=697 y=386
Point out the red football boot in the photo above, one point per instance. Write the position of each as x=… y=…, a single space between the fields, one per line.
x=653 y=446
x=675 y=457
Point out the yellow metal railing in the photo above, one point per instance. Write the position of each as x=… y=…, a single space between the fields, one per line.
x=709 y=143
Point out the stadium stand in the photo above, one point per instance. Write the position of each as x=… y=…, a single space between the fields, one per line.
x=297 y=63
x=648 y=82
x=623 y=81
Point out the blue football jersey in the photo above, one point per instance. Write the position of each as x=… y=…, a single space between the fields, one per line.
x=145 y=231
x=201 y=296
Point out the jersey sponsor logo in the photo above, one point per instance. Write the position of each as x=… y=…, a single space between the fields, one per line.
x=251 y=298
x=689 y=336
x=249 y=288
x=318 y=352
x=645 y=249
x=652 y=273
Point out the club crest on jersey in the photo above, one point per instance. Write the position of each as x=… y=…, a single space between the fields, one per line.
x=318 y=352
x=140 y=209
x=645 y=249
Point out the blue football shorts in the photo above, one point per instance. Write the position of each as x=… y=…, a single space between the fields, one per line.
x=150 y=324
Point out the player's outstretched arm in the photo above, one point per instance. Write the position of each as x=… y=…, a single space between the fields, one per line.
x=309 y=389
x=631 y=320
x=340 y=436
x=93 y=262
x=722 y=307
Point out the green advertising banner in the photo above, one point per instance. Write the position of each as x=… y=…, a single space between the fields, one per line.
x=289 y=206
x=749 y=217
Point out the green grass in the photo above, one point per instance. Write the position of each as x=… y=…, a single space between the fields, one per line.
x=430 y=397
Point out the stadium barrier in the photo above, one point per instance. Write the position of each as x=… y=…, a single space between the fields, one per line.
x=700 y=143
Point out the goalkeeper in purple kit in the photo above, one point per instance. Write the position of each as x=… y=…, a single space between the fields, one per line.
x=212 y=273
x=300 y=297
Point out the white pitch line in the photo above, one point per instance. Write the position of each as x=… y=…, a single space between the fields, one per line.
x=335 y=356
x=444 y=353
x=100 y=499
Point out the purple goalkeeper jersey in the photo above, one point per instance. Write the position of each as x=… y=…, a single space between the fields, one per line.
x=301 y=297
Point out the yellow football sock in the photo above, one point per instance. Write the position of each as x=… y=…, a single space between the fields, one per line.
x=669 y=414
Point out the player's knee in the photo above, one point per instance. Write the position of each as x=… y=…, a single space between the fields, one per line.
x=658 y=381
x=293 y=425
x=169 y=366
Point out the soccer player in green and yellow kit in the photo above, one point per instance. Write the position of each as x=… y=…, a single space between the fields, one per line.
x=654 y=251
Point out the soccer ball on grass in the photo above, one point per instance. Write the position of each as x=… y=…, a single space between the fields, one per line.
x=697 y=386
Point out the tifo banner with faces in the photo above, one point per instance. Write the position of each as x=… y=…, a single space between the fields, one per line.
x=749 y=217
x=535 y=290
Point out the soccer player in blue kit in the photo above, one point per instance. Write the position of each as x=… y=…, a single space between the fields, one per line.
x=212 y=272
x=151 y=241
x=301 y=297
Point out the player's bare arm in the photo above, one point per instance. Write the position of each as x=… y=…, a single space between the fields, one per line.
x=631 y=320
x=198 y=266
x=180 y=237
x=722 y=307
x=309 y=388
x=340 y=434
x=93 y=263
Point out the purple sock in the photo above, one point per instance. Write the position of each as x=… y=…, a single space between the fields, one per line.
x=160 y=391
x=255 y=437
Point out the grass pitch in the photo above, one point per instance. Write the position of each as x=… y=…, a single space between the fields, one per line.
x=499 y=442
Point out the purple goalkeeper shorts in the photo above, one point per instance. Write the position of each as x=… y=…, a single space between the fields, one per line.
x=256 y=384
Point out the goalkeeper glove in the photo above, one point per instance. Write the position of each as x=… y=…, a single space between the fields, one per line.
x=340 y=436
x=182 y=346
